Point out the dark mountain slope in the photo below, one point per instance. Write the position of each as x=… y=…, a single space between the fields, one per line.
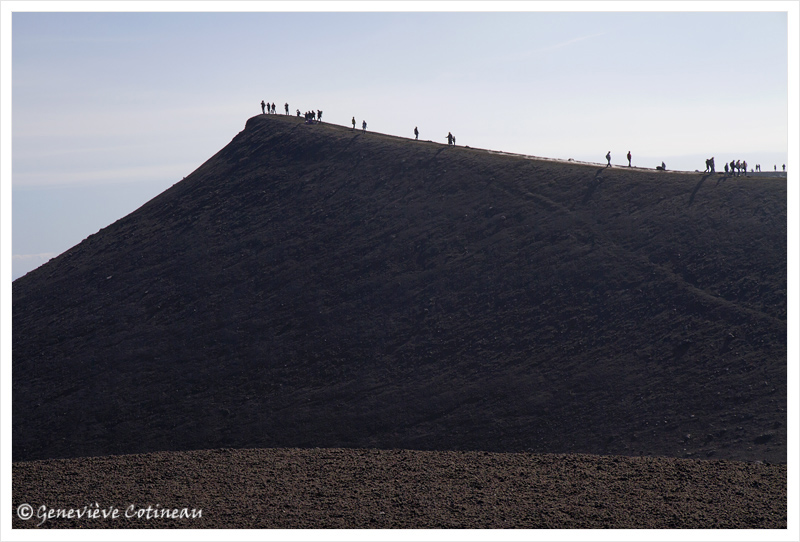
x=314 y=286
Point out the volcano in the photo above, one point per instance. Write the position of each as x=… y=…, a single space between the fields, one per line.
x=314 y=286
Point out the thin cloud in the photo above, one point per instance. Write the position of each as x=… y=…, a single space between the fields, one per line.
x=41 y=257
x=148 y=173
x=563 y=44
x=94 y=40
x=522 y=56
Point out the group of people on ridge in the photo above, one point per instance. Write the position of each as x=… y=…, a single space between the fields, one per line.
x=608 y=158
x=736 y=167
x=628 y=156
x=267 y=108
x=363 y=125
x=312 y=115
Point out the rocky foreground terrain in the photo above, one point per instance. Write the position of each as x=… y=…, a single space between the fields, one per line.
x=402 y=489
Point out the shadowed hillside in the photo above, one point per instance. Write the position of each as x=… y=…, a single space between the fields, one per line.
x=313 y=286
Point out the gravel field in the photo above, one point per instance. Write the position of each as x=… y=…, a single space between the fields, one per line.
x=401 y=489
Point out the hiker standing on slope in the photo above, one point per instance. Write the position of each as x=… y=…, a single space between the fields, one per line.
x=629 y=158
x=363 y=127
x=354 y=123
x=286 y=107
x=263 y=105
x=449 y=138
x=608 y=157
x=416 y=133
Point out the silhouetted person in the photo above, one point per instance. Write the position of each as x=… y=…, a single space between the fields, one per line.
x=354 y=123
x=298 y=112
x=319 y=115
x=449 y=138
x=363 y=126
x=454 y=140
x=273 y=108
x=726 y=168
x=784 y=167
x=416 y=133
x=608 y=157
x=629 y=158
x=286 y=107
x=744 y=167
x=263 y=105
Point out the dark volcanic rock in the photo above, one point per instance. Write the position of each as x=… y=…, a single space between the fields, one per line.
x=311 y=286
x=399 y=489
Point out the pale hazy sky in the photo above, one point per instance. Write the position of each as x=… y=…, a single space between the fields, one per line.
x=111 y=108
